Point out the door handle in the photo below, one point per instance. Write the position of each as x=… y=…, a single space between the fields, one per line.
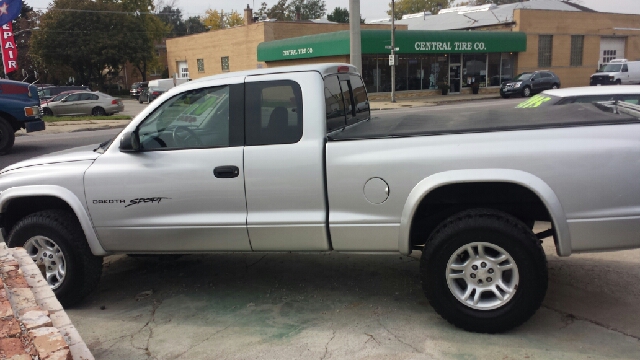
x=226 y=171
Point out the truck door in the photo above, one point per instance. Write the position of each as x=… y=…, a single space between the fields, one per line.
x=184 y=192
x=284 y=162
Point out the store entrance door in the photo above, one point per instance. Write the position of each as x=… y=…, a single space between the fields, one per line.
x=454 y=78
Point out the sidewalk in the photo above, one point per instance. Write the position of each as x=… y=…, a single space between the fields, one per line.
x=377 y=101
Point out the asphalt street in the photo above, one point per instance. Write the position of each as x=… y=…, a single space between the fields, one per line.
x=335 y=305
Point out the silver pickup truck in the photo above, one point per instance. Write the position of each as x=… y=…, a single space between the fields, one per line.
x=289 y=159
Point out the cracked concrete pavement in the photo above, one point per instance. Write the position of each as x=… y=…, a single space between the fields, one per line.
x=344 y=306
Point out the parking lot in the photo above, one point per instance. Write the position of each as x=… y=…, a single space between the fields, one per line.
x=344 y=306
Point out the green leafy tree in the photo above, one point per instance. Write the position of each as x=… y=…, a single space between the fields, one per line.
x=262 y=10
x=172 y=16
x=279 y=11
x=194 y=25
x=309 y=9
x=339 y=15
x=404 y=7
x=92 y=44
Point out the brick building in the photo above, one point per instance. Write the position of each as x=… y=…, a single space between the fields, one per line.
x=458 y=46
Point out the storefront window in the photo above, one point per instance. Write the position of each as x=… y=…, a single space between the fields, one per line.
x=402 y=73
x=493 y=70
x=370 y=73
x=414 y=72
x=508 y=66
x=474 y=69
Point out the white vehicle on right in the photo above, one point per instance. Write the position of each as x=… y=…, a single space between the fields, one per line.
x=584 y=94
x=617 y=72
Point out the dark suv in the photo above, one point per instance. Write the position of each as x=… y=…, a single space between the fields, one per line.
x=136 y=89
x=529 y=83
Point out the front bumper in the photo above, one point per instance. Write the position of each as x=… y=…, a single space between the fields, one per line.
x=511 y=91
x=34 y=125
x=604 y=80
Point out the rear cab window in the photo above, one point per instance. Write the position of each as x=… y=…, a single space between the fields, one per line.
x=346 y=101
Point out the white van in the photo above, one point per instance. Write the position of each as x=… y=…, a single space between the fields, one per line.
x=617 y=72
x=166 y=84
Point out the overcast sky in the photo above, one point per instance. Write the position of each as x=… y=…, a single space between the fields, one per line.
x=370 y=9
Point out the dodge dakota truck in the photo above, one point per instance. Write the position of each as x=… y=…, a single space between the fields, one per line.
x=290 y=159
x=19 y=109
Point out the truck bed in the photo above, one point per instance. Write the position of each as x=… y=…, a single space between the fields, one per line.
x=384 y=125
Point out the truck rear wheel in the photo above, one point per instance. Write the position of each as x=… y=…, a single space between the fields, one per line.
x=7 y=136
x=484 y=271
x=56 y=243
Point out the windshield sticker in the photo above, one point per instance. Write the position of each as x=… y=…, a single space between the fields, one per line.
x=534 y=102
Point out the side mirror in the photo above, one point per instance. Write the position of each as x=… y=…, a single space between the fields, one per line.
x=533 y=79
x=63 y=100
x=130 y=142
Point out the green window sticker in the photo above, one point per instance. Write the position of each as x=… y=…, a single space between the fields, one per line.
x=534 y=102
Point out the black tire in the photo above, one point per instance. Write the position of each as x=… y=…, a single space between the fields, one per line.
x=140 y=101
x=47 y=112
x=618 y=82
x=496 y=228
x=7 y=136
x=505 y=96
x=555 y=86
x=526 y=91
x=82 y=268
x=97 y=111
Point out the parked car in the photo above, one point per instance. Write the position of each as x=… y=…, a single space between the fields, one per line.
x=529 y=83
x=58 y=97
x=617 y=72
x=84 y=103
x=584 y=94
x=136 y=89
x=18 y=110
x=223 y=164
x=149 y=94
x=47 y=93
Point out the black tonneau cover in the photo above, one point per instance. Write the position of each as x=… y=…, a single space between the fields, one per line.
x=439 y=123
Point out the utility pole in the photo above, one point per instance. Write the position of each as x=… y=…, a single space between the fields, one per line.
x=393 y=51
x=356 y=41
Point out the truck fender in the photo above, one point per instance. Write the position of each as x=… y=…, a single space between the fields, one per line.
x=532 y=182
x=63 y=194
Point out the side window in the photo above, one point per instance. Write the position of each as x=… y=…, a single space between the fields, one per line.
x=94 y=97
x=194 y=119
x=73 y=97
x=361 y=108
x=545 y=75
x=86 y=96
x=625 y=68
x=334 y=103
x=273 y=112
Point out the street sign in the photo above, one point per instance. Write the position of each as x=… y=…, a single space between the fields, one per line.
x=388 y=47
x=393 y=60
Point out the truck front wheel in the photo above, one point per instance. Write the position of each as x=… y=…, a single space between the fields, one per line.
x=484 y=271
x=56 y=243
x=7 y=136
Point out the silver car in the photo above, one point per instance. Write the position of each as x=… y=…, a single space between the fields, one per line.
x=85 y=103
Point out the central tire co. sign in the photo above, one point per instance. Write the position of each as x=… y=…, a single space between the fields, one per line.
x=449 y=46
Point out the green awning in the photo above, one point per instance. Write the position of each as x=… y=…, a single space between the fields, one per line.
x=408 y=42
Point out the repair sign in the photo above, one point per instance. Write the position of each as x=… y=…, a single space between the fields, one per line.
x=9 y=50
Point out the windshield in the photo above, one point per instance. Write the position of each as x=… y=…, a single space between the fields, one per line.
x=612 y=68
x=522 y=77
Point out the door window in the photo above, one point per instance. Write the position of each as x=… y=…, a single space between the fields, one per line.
x=361 y=110
x=274 y=112
x=87 y=97
x=72 y=97
x=194 y=119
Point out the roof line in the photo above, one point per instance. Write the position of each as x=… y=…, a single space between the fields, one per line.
x=578 y=6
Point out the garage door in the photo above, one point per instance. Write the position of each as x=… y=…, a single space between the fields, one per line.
x=611 y=48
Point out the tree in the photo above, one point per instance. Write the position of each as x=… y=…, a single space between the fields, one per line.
x=279 y=11
x=172 y=16
x=339 y=15
x=309 y=9
x=194 y=25
x=215 y=19
x=404 y=7
x=91 y=44
x=263 y=9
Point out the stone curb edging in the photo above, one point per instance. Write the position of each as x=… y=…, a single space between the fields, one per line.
x=33 y=324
